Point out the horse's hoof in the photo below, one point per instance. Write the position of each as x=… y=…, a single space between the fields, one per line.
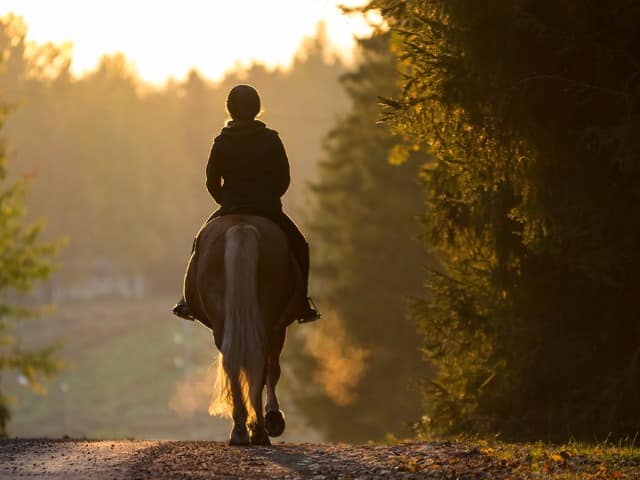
x=260 y=439
x=239 y=437
x=274 y=422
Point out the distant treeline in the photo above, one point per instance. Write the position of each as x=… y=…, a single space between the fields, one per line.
x=118 y=166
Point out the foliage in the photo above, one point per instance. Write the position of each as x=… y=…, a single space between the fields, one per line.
x=481 y=458
x=532 y=111
x=569 y=461
x=24 y=259
x=367 y=260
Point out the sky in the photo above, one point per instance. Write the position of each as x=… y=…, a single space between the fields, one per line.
x=164 y=38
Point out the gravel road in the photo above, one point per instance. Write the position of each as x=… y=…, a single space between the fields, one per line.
x=143 y=460
x=98 y=460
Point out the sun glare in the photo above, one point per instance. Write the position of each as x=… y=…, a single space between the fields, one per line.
x=168 y=38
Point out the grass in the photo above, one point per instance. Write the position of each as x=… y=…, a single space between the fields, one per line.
x=472 y=459
x=133 y=370
x=571 y=461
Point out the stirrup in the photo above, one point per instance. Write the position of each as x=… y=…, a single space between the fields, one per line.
x=311 y=313
x=182 y=310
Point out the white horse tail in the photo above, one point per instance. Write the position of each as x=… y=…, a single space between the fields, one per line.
x=244 y=344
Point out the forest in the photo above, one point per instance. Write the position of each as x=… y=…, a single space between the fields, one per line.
x=470 y=190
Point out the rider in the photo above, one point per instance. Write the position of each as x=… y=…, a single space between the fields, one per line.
x=247 y=173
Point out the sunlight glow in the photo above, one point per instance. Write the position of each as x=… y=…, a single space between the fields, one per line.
x=168 y=38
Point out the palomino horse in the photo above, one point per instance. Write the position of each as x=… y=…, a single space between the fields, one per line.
x=243 y=283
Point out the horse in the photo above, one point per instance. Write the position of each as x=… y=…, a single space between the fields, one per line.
x=243 y=282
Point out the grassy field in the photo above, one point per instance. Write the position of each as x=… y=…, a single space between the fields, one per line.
x=133 y=370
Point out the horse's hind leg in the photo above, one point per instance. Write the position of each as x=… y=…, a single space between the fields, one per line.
x=258 y=432
x=274 y=418
x=239 y=433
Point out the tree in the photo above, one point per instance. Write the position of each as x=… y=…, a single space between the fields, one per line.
x=367 y=261
x=532 y=110
x=23 y=261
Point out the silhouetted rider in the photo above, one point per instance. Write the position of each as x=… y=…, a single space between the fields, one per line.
x=247 y=173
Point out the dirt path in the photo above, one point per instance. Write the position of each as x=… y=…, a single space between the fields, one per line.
x=67 y=459
x=143 y=460
x=98 y=460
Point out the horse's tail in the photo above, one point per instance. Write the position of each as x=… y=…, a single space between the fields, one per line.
x=243 y=352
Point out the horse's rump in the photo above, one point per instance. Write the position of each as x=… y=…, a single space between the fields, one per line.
x=278 y=281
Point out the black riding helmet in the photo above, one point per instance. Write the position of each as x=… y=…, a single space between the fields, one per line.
x=243 y=103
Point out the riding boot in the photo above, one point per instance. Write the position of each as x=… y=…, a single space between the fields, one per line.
x=309 y=311
x=300 y=250
x=182 y=310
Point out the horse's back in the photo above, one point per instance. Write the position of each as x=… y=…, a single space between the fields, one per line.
x=274 y=249
x=278 y=277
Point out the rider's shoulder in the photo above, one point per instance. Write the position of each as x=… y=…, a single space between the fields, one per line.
x=273 y=136
x=220 y=143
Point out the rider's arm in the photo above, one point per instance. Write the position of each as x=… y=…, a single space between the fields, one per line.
x=282 y=177
x=214 y=176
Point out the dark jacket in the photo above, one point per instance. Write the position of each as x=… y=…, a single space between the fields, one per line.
x=248 y=169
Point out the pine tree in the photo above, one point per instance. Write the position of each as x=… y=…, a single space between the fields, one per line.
x=24 y=260
x=367 y=261
x=532 y=110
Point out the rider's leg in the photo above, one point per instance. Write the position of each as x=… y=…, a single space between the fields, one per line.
x=181 y=309
x=300 y=249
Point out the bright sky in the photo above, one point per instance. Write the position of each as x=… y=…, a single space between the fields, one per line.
x=165 y=38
